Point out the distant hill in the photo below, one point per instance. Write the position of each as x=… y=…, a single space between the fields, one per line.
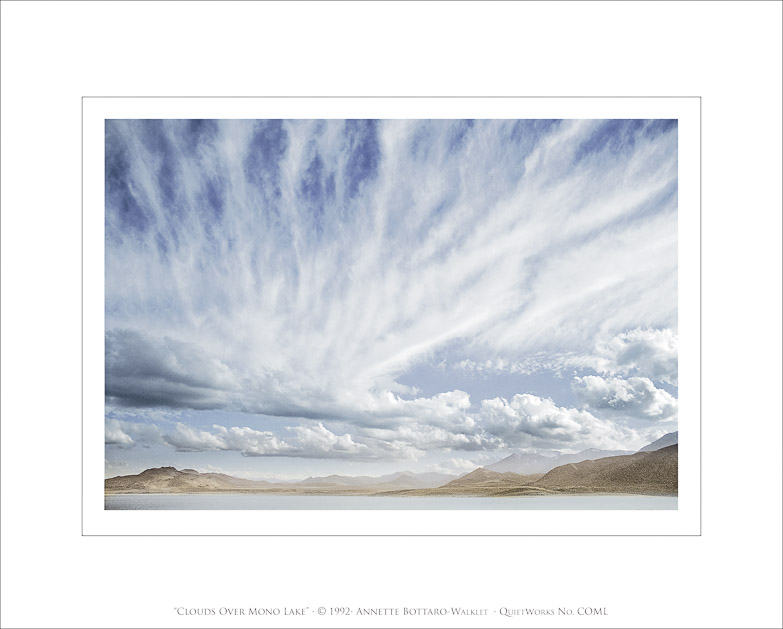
x=485 y=476
x=422 y=480
x=482 y=481
x=526 y=463
x=334 y=479
x=397 y=479
x=479 y=482
x=641 y=473
x=667 y=440
x=590 y=454
x=172 y=480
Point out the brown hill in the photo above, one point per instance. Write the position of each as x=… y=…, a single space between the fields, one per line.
x=483 y=476
x=642 y=473
x=480 y=482
x=172 y=480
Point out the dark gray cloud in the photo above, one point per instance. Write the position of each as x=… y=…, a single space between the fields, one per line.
x=142 y=370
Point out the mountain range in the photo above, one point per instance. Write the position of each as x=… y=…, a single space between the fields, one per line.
x=647 y=473
x=526 y=463
x=406 y=479
x=537 y=463
x=653 y=469
x=172 y=480
x=667 y=440
x=651 y=472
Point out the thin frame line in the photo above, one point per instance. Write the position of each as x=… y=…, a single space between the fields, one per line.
x=383 y=534
x=387 y=1
x=701 y=457
x=82 y=297
x=396 y=97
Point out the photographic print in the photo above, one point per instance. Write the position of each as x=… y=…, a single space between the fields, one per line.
x=391 y=314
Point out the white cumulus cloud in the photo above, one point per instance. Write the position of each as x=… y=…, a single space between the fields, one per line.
x=529 y=421
x=646 y=352
x=634 y=397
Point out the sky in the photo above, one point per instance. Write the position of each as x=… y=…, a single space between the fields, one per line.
x=293 y=298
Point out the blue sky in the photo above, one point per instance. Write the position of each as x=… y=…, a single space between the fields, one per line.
x=296 y=297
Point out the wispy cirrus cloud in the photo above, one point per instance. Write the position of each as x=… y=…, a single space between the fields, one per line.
x=298 y=268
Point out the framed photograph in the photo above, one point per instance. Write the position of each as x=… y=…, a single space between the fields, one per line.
x=386 y=310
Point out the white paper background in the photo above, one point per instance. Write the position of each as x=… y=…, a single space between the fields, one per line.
x=54 y=53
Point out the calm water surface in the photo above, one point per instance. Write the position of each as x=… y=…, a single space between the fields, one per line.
x=275 y=502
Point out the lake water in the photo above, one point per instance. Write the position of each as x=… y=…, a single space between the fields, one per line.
x=284 y=503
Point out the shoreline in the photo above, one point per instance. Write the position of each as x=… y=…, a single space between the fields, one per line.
x=394 y=494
